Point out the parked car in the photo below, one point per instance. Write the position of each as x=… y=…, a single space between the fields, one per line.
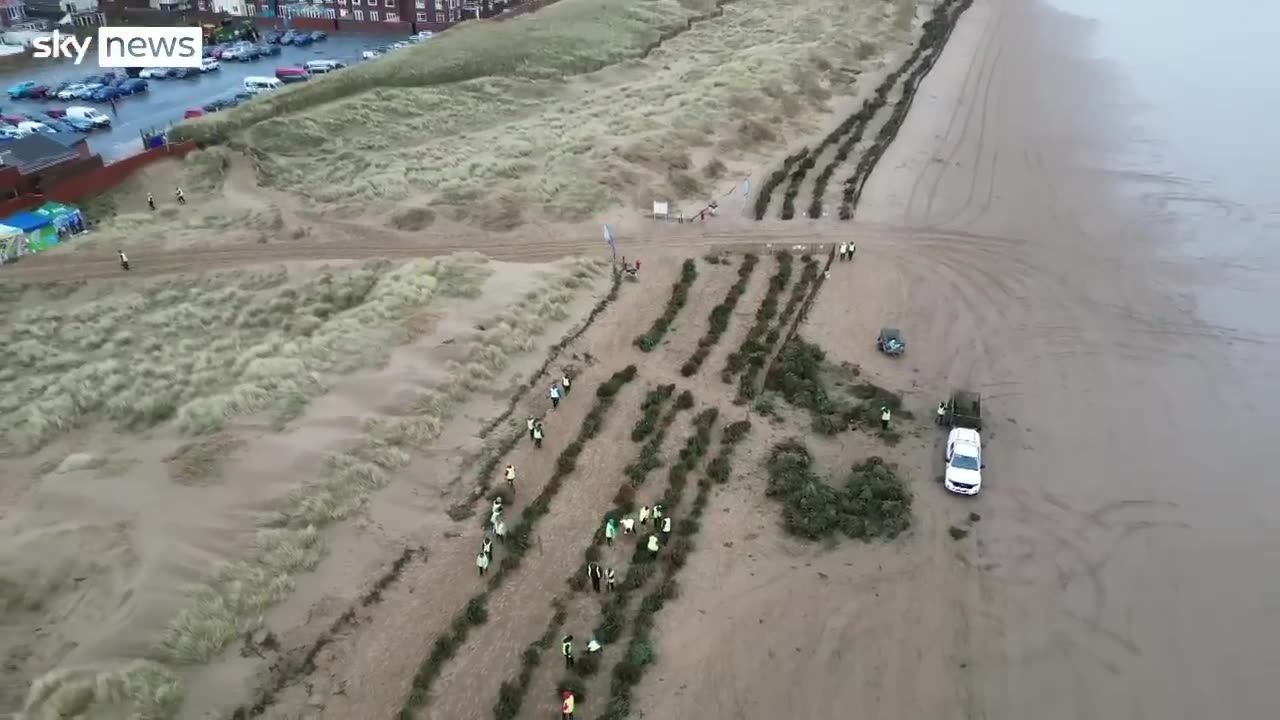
x=95 y=80
x=154 y=73
x=320 y=67
x=292 y=74
x=20 y=90
x=214 y=51
x=89 y=114
x=255 y=85
x=192 y=113
x=56 y=112
x=71 y=91
x=105 y=93
x=53 y=92
x=229 y=53
x=181 y=73
x=135 y=85
x=9 y=132
x=964 y=462
x=80 y=124
x=370 y=54
x=302 y=39
x=35 y=127
x=59 y=126
x=122 y=88
x=247 y=51
x=268 y=50
x=242 y=95
x=209 y=65
x=318 y=35
x=12 y=120
x=287 y=38
x=273 y=37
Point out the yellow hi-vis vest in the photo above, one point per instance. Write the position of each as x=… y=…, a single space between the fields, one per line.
x=565 y=381
x=511 y=472
x=884 y=415
x=653 y=543
x=567 y=707
x=566 y=648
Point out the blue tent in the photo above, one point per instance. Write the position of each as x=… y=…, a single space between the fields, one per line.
x=26 y=221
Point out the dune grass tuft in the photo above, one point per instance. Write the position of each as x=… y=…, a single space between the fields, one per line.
x=204 y=350
x=142 y=690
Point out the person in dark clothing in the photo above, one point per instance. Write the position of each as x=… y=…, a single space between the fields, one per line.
x=566 y=649
x=594 y=572
x=151 y=201
x=182 y=198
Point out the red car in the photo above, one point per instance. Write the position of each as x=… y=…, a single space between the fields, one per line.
x=12 y=119
x=292 y=74
x=192 y=113
x=36 y=92
x=56 y=112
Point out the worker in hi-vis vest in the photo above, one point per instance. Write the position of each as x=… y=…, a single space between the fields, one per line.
x=564 y=383
x=510 y=475
x=885 y=415
x=666 y=525
x=530 y=422
x=608 y=576
x=653 y=544
x=482 y=562
x=657 y=513
x=644 y=514
x=566 y=707
x=610 y=531
x=566 y=649
x=537 y=435
x=942 y=412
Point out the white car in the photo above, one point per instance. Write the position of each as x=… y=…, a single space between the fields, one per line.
x=71 y=92
x=964 y=462
x=209 y=64
x=31 y=127
x=370 y=54
x=154 y=73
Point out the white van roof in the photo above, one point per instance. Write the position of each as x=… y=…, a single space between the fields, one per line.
x=258 y=79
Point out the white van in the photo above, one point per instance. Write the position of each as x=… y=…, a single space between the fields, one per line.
x=320 y=67
x=256 y=85
x=88 y=114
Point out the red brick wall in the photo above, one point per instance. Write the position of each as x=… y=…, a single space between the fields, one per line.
x=108 y=176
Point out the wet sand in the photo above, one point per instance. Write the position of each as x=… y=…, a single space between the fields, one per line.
x=1027 y=233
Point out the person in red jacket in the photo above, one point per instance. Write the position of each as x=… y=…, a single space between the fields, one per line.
x=566 y=707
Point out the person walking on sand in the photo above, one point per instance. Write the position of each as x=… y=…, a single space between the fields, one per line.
x=487 y=546
x=666 y=526
x=151 y=201
x=510 y=475
x=564 y=384
x=628 y=525
x=482 y=562
x=566 y=706
x=182 y=198
x=495 y=516
x=500 y=531
x=844 y=251
x=554 y=394
x=608 y=579
x=653 y=544
x=595 y=573
x=610 y=531
x=531 y=422
x=644 y=514
x=124 y=260
x=566 y=649
x=657 y=513
x=537 y=436
x=942 y=412
x=885 y=415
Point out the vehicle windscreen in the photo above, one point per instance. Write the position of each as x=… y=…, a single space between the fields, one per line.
x=964 y=462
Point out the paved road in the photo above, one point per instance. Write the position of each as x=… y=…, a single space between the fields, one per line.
x=166 y=100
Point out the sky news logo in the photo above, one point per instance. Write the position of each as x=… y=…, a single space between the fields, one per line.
x=125 y=47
